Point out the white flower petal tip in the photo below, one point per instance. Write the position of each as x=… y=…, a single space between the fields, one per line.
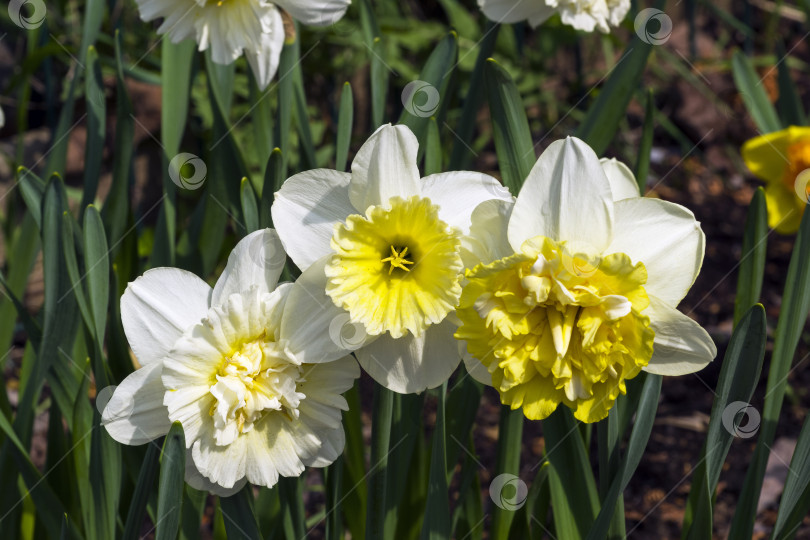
x=584 y=15
x=385 y=167
x=566 y=196
x=135 y=413
x=256 y=261
x=158 y=307
x=315 y=12
x=681 y=345
x=623 y=183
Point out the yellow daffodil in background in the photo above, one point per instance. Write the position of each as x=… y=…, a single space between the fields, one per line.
x=577 y=287
x=585 y=15
x=779 y=158
x=233 y=27
x=380 y=251
x=228 y=363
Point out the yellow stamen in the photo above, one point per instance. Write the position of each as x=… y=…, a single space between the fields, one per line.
x=398 y=260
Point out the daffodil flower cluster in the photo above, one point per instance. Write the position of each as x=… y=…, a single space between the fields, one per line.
x=558 y=296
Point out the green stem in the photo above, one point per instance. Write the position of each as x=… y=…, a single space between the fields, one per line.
x=378 y=475
x=510 y=434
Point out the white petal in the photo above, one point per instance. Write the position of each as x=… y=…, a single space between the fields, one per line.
x=622 y=181
x=412 y=364
x=385 y=167
x=565 y=197
x=306 y=210
x=666 y=238
x=315 y=328
x=195 y=479
x=475 y=368
x=324 y=387
x=487 y=240
x=264 y=60
x=158 y=307
x=332 y=444
x=255 y=262
x=681 y=345
x=510 y=11
x=135 y=413
x=459 y=193
x=223 y=465
x=315 y=12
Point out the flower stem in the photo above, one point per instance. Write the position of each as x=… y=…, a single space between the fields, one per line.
x=378 y=475
x=510 y=434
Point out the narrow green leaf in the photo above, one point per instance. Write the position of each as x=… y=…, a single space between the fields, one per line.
x=789 y=105
x=301 y=113
x=574 y=500
x=177 y=60
x=462 y=153
x=72 y=267
x=753 y=94
x=645 y=147
x=237 y=511
x=378 y=475
x=32 y=188
x=148 y=471
x=355 y=494
x=333 y=480
x=754 y=252
x=513 y=140
x=426 y=97
x=795 y=501
x=283 y=125
x=344 y=128
x=171 y=483
x=433 y=149
x=795 y=306
x=507 y=462
x=250 y=208
x=379 y=83
x=96 y=127
x=273 y=178
x=599 y=126
x=437 y=508
x=291 y=495
x=97 y=279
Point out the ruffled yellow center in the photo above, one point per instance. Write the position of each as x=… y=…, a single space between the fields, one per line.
x=558 y=327
x=256 y=379
x=798 y=155
x=396 y=269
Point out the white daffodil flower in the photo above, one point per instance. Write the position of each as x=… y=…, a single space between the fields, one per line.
x=577 y=287
x=585 y=15
x=228 y=363
x=382 y=244
x=233 y=27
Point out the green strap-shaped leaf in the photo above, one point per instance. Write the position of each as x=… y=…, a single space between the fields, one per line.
x=333 y=480
x=513 y=140
x=96 y=127
x=344 y=129
x=574 y=498
x=171 y=483
x=437 y=508
x=433 y=149
x=507 y=462
x=379 y=83
x=176 y=64
x=789 y=105
x=749 y=84
x=382 y=412
x=754 y=252
x=795 y=306
x=237 y=512
x=250 y=208
x=143 y=488
x=795 y=501
x=273 y=178
x=355 y=493
x=645 y=147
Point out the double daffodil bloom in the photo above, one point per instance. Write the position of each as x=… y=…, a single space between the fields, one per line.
x=779 y=158
x=380 y=251
x=233 y=27
x=233 y=365
x=585 y=15
x=577 y=286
